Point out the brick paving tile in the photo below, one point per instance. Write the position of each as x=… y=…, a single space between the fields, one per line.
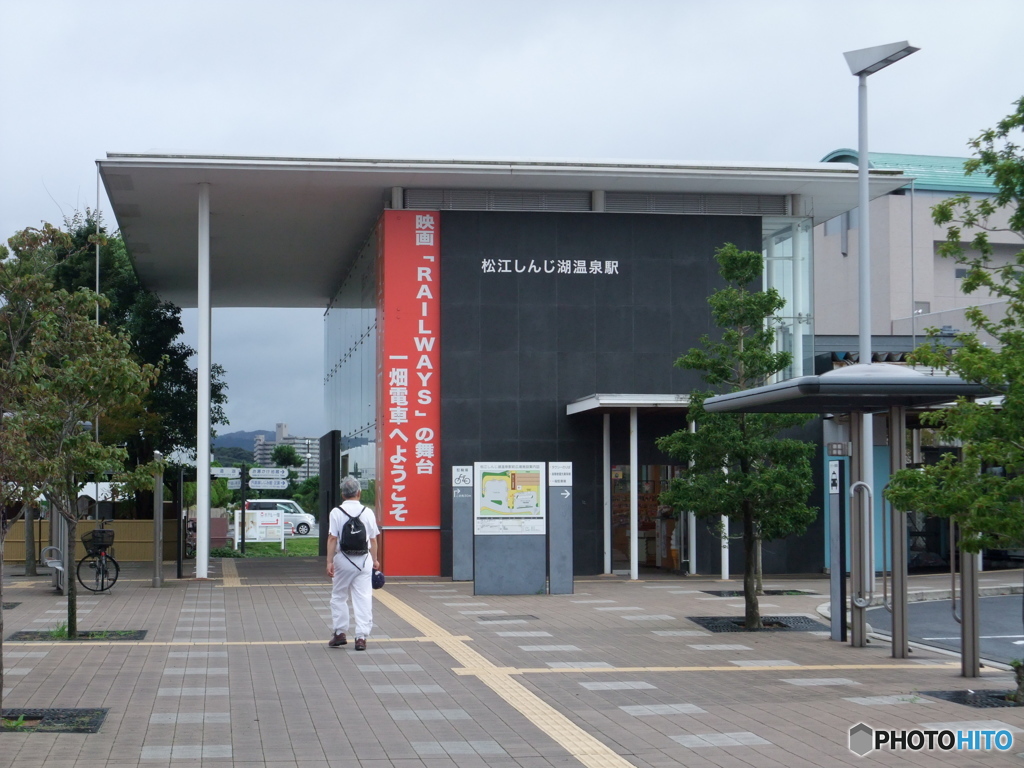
x=292 y=703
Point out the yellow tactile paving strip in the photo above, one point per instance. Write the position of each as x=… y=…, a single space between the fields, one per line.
x=731 y=668
x=580 y=744
x=229 y=572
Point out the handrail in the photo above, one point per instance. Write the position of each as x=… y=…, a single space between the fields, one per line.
x=868 y=545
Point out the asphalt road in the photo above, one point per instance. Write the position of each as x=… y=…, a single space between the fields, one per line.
x=932 y=623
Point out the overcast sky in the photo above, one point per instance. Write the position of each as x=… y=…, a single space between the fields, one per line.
x=682 y=81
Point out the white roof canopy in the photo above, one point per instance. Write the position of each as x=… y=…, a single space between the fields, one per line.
x=285 y=230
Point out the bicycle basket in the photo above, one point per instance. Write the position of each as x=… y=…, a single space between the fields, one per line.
x=101 y=538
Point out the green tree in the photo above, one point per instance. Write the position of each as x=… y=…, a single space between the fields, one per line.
x=987 y=505
x=307 y=493
x=286 y=456
x=165 y=420
x=59 y=370
x=737 y=465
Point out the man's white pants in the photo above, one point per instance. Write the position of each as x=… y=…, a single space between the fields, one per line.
x=351 y=579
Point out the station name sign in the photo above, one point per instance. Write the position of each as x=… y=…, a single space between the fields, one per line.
x=549 y=266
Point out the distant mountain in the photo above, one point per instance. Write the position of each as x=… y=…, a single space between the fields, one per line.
x=244 y=440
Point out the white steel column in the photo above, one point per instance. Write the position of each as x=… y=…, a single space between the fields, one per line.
x=691 y=528
x=634 y=496
x=203 y=395
x=725 y=547
x=798 y=305
x=607 y=484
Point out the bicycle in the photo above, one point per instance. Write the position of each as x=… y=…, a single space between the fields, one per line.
x=190 y=539
x=98 y=567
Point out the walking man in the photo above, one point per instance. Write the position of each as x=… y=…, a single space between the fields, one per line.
x=351 y=558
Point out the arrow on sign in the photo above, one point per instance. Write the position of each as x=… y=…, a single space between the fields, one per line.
x=565 y=494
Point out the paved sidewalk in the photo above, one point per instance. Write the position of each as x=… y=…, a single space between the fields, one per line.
x=235 y=671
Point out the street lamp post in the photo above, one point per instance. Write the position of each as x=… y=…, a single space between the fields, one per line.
x=862 y=63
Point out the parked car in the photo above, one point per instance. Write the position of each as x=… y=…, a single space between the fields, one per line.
x=301 y=522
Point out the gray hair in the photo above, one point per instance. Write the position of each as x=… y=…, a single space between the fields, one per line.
x=350 y=488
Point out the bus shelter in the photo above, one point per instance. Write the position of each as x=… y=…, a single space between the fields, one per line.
x=863 y=390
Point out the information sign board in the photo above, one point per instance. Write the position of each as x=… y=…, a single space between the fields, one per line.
x=225 y=472
x=509 y=498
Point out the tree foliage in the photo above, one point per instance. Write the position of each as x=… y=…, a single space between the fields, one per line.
x=736 y=465
x=285 y=455
x=165 y=419
x=984 y=490
x=59 y=370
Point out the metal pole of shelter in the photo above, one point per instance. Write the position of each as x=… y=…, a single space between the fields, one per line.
x=858 y=623
x=203 y=395
x=898 y=461
x=634 y=498
x=607 y=484
x=970 y=651
x=158 y=524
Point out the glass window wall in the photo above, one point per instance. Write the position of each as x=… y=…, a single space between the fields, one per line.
x=350 y=364
x=787 y=247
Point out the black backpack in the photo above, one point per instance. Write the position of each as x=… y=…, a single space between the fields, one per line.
x=353 y=534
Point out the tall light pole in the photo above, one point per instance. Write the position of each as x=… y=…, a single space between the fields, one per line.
x=864 y=62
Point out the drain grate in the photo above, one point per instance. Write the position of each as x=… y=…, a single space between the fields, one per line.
x=56 y=720
x=505 y=618
x=773 y=592
x=772 y=624
x=977 y=699
x=10 y=606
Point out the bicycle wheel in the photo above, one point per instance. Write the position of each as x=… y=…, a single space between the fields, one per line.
x=97 y=573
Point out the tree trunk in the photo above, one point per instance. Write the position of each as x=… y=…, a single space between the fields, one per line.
x=30 y=542
x=71 y=578
x=753 y=611
x=760 y=575
x=3 y=536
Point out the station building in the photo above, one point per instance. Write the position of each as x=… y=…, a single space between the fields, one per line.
x=493 y=311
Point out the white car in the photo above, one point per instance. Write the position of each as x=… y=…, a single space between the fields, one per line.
x=300 y=521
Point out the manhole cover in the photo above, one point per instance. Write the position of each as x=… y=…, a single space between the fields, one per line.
x=505 y=618
x=45 y=635
x=54 y=720
x=978 y=699
x=772 y=624
x=773 y=592
x=10 y=606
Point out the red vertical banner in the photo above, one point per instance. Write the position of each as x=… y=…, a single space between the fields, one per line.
x=409 y=391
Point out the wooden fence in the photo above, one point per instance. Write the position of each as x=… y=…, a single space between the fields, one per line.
x=133 y=540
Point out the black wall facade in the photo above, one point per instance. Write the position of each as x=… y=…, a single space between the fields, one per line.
x=518 y=346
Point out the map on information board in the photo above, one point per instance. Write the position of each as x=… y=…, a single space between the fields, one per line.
x=509 y=498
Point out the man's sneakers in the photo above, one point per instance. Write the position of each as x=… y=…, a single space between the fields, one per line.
x=339 y=639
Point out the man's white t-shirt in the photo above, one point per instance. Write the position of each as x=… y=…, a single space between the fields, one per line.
x=354 y=508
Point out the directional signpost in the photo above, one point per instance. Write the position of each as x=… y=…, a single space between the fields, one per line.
x=267 y=485
x=269 y=472
x=462 y=523
x=229 y=472
x=235 y=485
x=560 y=528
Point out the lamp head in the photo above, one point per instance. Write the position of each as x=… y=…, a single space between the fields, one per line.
x=867 y=61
